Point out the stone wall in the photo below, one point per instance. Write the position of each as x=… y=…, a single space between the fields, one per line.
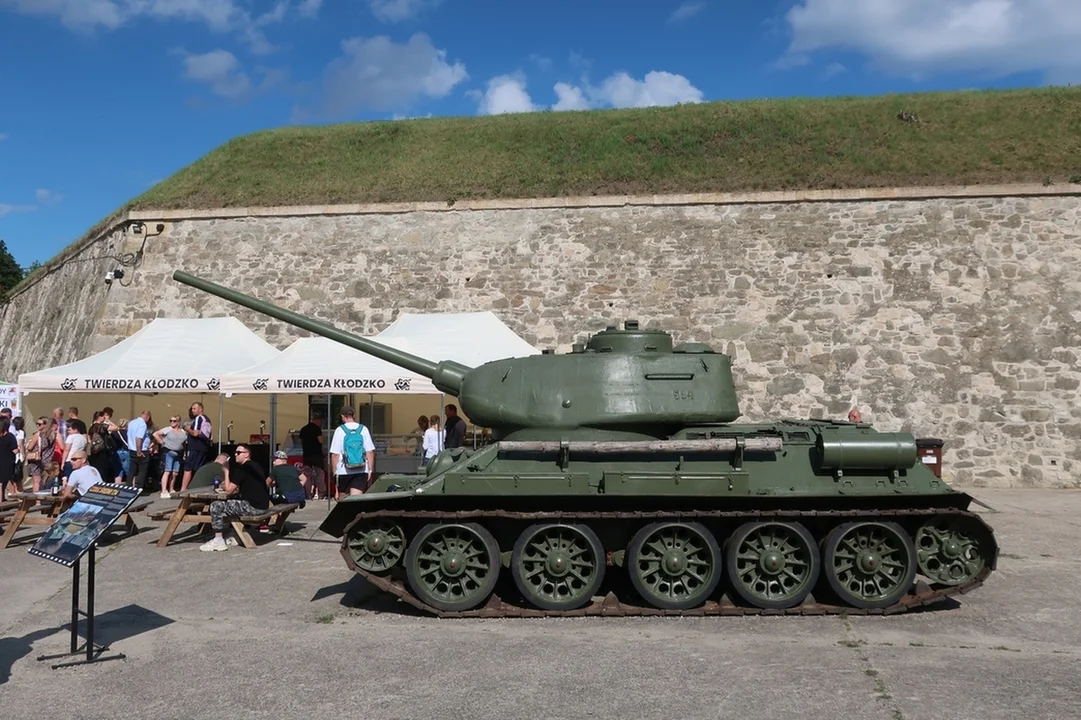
x=954 y=317
x=55 y=317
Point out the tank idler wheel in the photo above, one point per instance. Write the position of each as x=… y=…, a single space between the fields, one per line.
x=557 y=566
x=950 y=551
x=772 y=565
x=674 y=565
x=869 y=564
x=452 y=567
x=375 y=545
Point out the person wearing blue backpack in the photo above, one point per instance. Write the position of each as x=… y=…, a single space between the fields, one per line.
x=352 y=455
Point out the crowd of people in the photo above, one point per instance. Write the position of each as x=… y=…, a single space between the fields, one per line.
x=120 y=451
x=63 y=453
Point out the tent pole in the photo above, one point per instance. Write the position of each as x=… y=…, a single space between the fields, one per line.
x=273 y=423
x=330 y=470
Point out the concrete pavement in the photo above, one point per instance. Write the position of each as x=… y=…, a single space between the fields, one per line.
x=287 y=631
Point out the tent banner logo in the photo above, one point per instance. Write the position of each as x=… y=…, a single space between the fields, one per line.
x=132 y=384
x=9 y=397
x=335 y=384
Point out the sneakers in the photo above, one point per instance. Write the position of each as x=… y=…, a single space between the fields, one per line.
x=214 y=545
x=165 y=495
x=231 y=541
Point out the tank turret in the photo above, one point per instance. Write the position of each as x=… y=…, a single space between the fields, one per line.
x=631 y=382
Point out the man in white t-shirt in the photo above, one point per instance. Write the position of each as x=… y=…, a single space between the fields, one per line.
x=355 y=480
x=73 y=443
x=83 y=475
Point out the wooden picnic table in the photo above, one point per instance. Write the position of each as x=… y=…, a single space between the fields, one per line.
x=50 y=506
x=194 y=507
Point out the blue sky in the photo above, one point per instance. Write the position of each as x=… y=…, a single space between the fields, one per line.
x=100 y=99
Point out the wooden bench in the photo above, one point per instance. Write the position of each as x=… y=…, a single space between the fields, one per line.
x=128 y=520
x=6 y=515
x=275 y=516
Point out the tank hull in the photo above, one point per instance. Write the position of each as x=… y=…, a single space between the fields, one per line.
x=827 y=487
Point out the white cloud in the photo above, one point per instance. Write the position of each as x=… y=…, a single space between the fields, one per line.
x=309 y=8
x=218 y=15
x=834 y=68
x=3 y=137
x=382 y=75
x=78 y=14
x=47 y=197
x=506 y=94
x=6 y=208
x=392 y=11
x=920 y=37
x=221 y=70
x=656 y=88
x=43 y=197
x=686 y=11
x=570 y=98
x=542 y=62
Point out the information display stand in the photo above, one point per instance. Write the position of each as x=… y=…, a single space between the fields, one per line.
x=93 y=651
x=74 y=535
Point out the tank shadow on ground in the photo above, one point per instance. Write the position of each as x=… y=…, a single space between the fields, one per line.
x=359 y=594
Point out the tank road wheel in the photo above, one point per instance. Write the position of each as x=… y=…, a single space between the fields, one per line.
x=375 y=545
x=772 y=565
x=674 y=565
x=869 y=564
x=950 y=550
x=452 y=567
x=558 y=567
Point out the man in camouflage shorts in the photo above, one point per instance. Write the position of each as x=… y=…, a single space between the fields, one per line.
x=245 y=485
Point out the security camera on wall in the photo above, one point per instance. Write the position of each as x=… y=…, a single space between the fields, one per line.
x=113 y=275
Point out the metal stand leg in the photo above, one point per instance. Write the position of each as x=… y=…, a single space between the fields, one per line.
x=93 y=652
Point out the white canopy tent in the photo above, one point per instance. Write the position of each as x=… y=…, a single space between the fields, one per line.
x=319 y=365
x=471 y=338
x=168 y=355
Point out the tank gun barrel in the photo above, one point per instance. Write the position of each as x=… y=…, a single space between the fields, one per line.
x=447 y=376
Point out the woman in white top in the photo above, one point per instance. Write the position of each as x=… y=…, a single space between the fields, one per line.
x=433 y=440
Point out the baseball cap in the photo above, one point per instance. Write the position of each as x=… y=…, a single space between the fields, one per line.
x=280 y=455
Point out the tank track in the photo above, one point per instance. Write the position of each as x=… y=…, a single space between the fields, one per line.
x=921 y=596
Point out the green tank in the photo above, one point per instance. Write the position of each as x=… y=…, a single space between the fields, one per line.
x=618 y=483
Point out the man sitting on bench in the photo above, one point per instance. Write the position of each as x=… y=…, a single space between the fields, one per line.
x=248 y=480
x=289 y=482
